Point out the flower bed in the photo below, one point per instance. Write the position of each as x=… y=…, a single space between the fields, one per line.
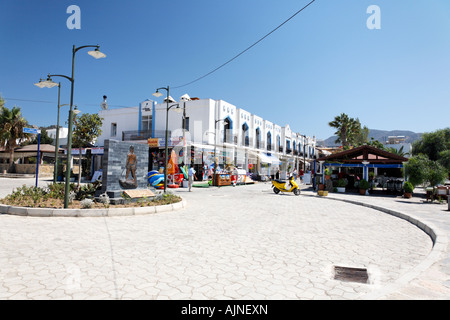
x=80 y=198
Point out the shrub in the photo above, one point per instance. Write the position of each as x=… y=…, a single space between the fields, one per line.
x=364 y=184
x=342 y=183
x=104 y=198
x=408 y=187
x=86 y=204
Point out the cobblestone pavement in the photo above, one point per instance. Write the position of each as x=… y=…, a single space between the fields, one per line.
x=240 y=242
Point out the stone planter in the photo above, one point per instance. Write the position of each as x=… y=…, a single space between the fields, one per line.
x=407 y=195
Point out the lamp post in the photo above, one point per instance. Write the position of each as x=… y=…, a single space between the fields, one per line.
x=97 y=55
x=166 y=147
x=304 y=154
x=215 y=144
x=50 y=84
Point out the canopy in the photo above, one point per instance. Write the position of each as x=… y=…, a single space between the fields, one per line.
x=265 y=158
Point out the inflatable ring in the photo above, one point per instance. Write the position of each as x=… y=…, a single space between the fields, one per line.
x=173 y=186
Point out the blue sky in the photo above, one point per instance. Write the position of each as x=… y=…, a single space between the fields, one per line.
x=322 y=63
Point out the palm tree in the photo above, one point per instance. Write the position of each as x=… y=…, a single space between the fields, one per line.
x=346 y=129
x=400 y=152
x=2 y=102
x=11 y=130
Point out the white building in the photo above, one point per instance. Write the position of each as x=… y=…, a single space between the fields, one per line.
x=63 y=133
x=213 y=127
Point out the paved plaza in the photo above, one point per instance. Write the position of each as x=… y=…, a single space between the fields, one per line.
x=240 y=242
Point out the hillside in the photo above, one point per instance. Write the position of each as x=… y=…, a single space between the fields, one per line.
x=380 y=135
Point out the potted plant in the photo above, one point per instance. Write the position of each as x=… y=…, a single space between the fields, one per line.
x=363 y=186
x=408 y=189
x=341 y=184
x=327 y=174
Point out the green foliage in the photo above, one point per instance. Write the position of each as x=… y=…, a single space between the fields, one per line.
x=435 y=174
x=11 y=129
x=364 y=184
x=422 y=170
x=85 y=191
x=416 y=168
x=376 y=144
x=348 y=129
x=444 y=160
x=342 y=183
x=432 y=144
x=87 y=129
x=28 y=196
x=398 y=152
x=408 y=187
x=45 y=139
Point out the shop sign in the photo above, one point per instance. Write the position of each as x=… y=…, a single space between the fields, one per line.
x=76 y=151
x=153 y=142
x=161 y=142
x=97 y=151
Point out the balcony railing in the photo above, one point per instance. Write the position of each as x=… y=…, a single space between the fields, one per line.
x=280 y=149
x=288 y=150
x=229 y=138
x=135 y=135
x=269 y=147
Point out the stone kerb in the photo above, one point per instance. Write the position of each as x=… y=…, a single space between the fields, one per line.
x=439 y=238
x=106 y=212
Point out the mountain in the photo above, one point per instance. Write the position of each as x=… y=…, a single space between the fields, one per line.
x=380 y=135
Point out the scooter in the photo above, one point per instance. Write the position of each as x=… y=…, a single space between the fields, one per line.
x=280 y=185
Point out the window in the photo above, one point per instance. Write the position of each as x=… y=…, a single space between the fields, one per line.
x=113 y=129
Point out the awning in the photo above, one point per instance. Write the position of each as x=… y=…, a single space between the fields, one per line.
x=265 y=158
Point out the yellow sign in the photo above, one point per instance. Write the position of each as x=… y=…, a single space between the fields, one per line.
x=153 y=143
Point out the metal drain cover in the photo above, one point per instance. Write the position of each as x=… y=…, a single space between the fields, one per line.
x=351 y=274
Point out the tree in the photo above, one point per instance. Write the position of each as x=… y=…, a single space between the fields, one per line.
x=376 y=144
x=444 y=160
x=87 y=130
x=422 y=170
x=415 y=169
x=361 y=135
x=2 y=103
x=11 y=130
x=45 y=139
x=433 y=143
x=435 y=174
x=346 y=127
x=400 y=152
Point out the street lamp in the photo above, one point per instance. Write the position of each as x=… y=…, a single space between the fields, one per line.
x=49 y=83
x=215 y=143
x=158 y=94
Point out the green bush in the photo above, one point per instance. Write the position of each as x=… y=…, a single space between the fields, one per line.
x=342 y=183
x=408 y=187
x=364 y=184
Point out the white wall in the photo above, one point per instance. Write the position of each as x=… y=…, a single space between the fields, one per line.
x=127 y=119
x=200 y=114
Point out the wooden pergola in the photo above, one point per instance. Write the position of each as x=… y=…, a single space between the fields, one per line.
x=364 y=157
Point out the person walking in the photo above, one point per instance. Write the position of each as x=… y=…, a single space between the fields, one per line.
x=191 y=177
